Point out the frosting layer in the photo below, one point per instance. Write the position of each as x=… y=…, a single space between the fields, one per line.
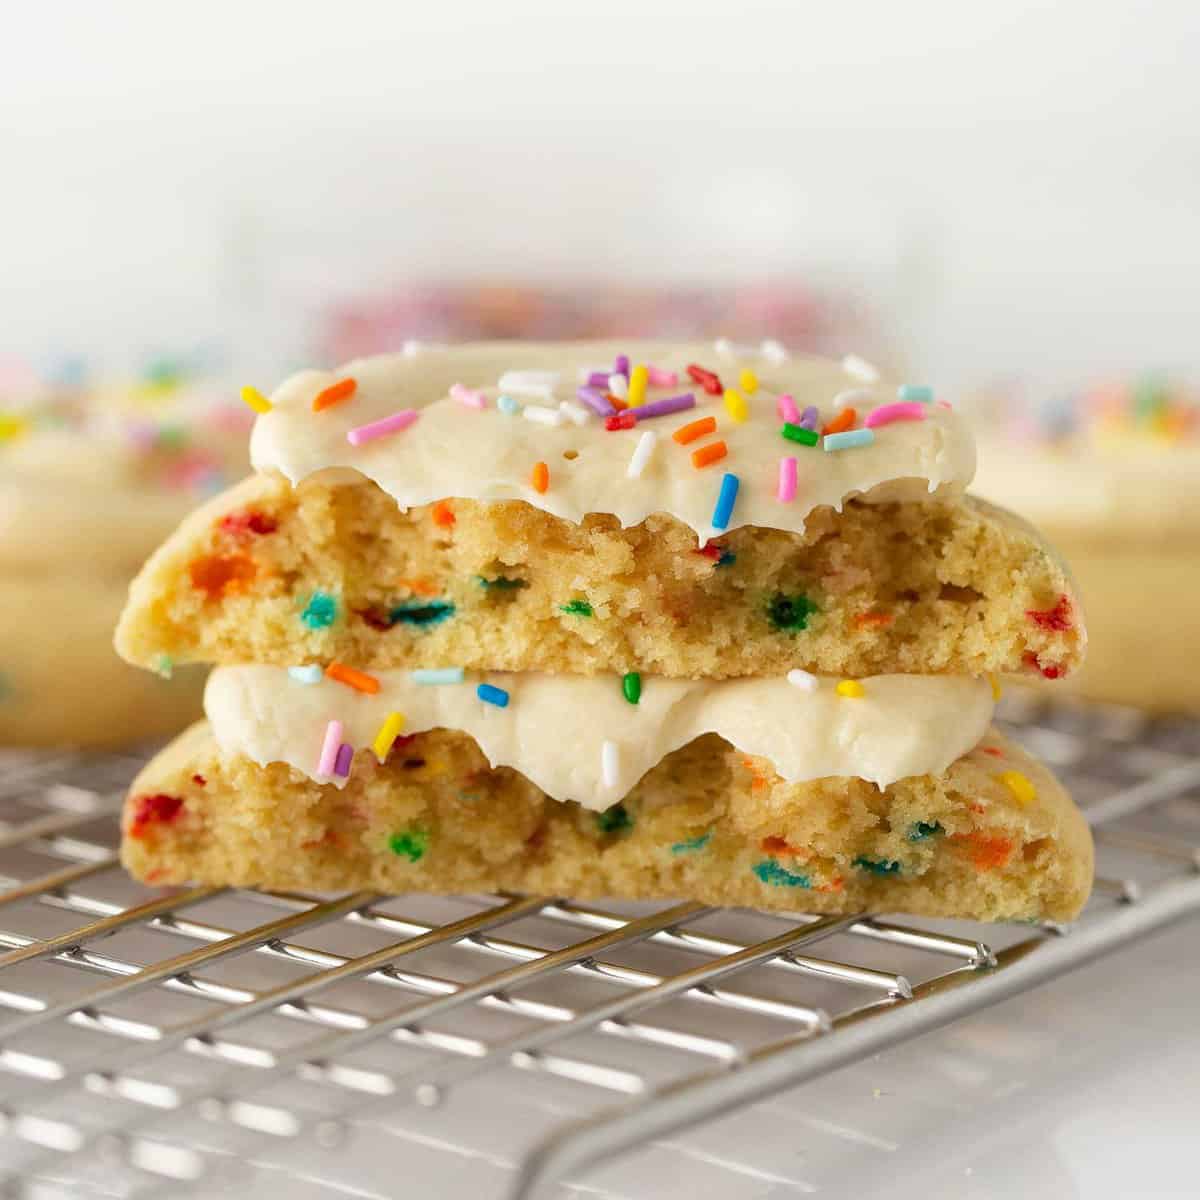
x=462 y=445
x=578 y=738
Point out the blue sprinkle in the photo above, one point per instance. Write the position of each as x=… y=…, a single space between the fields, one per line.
x=877 y=866
x=492 y=695
x=506 y=404
x=440 y=675
x=320 y=612
x=725 y=502
x=849 y=439
x=915 y=391
x=696 y=843
x=421 y=614
x=769 y=871
x=309 y=674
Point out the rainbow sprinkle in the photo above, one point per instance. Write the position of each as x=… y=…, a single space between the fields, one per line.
x=770 y=872
x=690 y=844
x=618 y=385
x=660 y=378
x=663 y=408
x=467 y=397
x=786 y=491
x=345 y=756
x=432 y=677
x=736 y=406
x=410 y=844
x=388 y=732
x=255 y=399
x=641 y=455
x=492 y=695
x=1020 y=786
x=539 y=477
x=306 y=675
x=748 y=381
x=887 y=413
x=381 y=428
x=859 y=368
x=631 y=687
x=638 y=382
x=797 y=433
x=609 y=764
x=334 y=394
x=851 y=689
x=919 y=393
x=320 y=612
x=786 y=410
x=713 y=452
x=327 y=761
x=506 y=404
x=803 y=680
x=849 y=439
x=360 y=681
x=596 y=400
x=726 y=499
x=694 y=429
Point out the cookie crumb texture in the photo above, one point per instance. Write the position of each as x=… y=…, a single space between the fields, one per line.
x=275 y=575
x=707 y=823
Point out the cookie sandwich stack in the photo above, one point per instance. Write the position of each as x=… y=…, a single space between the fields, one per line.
x=641 y=621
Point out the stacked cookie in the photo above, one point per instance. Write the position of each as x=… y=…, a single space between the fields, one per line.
x=644 y=621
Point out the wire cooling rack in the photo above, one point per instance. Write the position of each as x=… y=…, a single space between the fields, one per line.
x=202 y=1041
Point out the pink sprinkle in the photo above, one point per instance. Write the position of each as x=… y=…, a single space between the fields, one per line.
x=377 y=429
x=887 y=413
x=785 y=406
x=345 y=756
x=945 y=404
x=467 y=397
x=787 y=481
x=657 y=377
x=327 y=763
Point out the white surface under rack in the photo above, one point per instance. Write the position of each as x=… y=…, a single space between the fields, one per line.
x=214 y=1042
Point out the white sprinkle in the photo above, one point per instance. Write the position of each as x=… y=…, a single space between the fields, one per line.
x=803 y=680
x=573 y=412
x=641 y=455
x=619 y=386
x=309 y=674
x=543 y=416
x=851 y=396
x=432 y=676
x=860 y=368
x=609 y=764
x=773 y=351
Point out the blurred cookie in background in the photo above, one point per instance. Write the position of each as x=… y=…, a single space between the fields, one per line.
x=1112 y=475
x=92 y=477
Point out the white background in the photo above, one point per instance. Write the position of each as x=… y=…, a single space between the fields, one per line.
x=1016 y=185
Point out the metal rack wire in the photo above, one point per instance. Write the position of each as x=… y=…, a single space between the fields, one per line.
x=161 y=1044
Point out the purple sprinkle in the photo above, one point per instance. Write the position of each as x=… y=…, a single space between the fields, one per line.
x=809 y=417
x=345 y=756
x=596 y=401
x=599 y=379
x=622 y=365
x=661 y=408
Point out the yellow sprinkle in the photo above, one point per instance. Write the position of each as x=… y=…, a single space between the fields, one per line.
x=11 y=426
x=256 y=399
x=748 y=381
x=1023 y=791
x=638 y=379
x=735 y=405
x=996 y=692
x=388 y=732
x=851 y=689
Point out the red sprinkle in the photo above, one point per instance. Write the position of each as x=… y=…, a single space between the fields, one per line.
x=248 y=522
x=712 y=550
x=199 y=780
x=149 y=809
x=987 y=851
x=1056 y=619
x=443 y=514
x=625 y=420
x=708 y=380
x=992 y=751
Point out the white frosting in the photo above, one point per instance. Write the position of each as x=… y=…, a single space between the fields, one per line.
x=555 y=728
x=455 y=450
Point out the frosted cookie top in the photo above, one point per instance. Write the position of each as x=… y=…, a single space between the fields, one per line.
x=716 y=437
x=881 y=729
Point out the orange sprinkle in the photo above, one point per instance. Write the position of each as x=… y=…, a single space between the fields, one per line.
x=695 y=429
x=836 y=884
x=443 y=514
x=993 y=751
x=713 y=452
x=779 y=845
x=216 y=574
x=360 y=681
x=843 y=421
x=420 y=587
x=540 y=477
x=988 y=851
x=875 y=619
x=616 y=401
x=334 y=394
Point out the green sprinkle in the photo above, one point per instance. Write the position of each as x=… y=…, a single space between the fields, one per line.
x=321 y=611
x=877 y=866
x=797 y=433
x=770 y=872
x=614 y=820
x=410 y=844
x=727 y=559
x=690 y=844
x=577 y=608
x=790 y=612
x=421 y=614
x=501 y=583
x=631 y=685
x=164 y=666
x=924 y=829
